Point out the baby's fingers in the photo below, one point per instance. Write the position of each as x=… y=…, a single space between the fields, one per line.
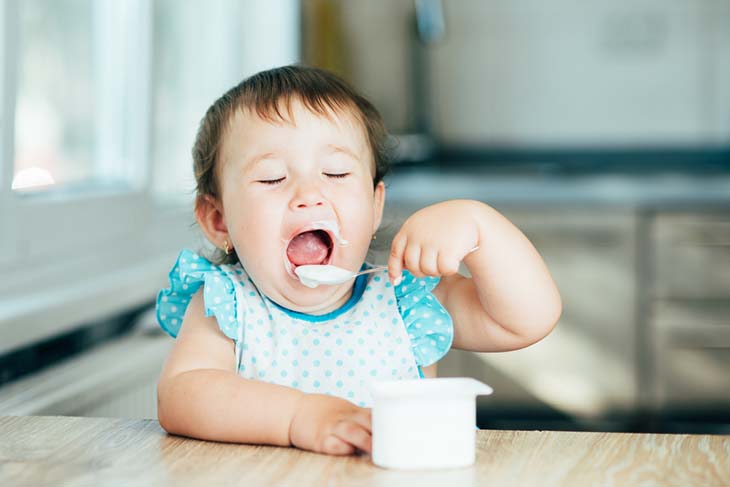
x=364 y=418
x=395 y=262
x=355 y=434
x=335 y=446
x=413 y=260
x=448 y=265
x=429 y=262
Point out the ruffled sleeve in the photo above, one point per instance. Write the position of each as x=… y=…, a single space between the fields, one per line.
x=187 y=275
x=428 y=324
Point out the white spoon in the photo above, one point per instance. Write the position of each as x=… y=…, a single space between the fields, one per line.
x=314 y=275
x=330 y=275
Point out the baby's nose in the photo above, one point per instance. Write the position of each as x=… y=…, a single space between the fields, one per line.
x=308 y=197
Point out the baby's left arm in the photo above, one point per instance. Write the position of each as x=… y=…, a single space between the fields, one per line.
x=509 y=302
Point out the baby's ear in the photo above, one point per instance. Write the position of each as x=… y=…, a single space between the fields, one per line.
x=209 y=213
x=378 y=205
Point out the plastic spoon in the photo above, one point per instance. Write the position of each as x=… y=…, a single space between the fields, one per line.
x=330 y=275
x=314 y=275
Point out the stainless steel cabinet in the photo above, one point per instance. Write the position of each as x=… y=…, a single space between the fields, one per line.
x=692 y=256
x=646 y=319
x=586 y=366
x=690 y=311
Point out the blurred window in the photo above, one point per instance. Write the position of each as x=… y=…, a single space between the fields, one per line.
x=54 y=111
x=99 y=104
x=181 y=94
x=192 y=70
x=75 y=96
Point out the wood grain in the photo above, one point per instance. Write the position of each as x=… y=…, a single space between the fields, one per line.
x=46 y=450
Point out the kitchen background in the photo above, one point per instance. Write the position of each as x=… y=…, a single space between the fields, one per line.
x=602 y=130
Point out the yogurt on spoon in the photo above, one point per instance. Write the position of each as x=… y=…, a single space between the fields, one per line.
x=313 y=245
x=314 y=275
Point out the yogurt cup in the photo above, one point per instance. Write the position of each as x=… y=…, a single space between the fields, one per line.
x=425 y=423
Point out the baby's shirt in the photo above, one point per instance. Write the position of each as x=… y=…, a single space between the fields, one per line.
x=383 y=332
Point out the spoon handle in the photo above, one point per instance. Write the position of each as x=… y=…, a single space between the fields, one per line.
x=374 y=269
x=384 y=267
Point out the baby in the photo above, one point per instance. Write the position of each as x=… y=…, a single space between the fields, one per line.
x=289 y=167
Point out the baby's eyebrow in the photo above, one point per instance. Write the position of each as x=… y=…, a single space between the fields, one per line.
x=250 y=163
x=344 y=150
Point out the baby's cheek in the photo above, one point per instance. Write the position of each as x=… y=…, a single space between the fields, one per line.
x=255 y=242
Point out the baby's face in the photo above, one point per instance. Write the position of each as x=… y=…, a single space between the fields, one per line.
x=279 y=181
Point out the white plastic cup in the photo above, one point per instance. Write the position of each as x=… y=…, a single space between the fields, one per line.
x=425 y=423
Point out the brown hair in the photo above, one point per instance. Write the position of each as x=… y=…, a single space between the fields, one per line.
x=266 y=93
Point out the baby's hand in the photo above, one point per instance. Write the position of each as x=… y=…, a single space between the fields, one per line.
x=434 y=240
x=328 y=424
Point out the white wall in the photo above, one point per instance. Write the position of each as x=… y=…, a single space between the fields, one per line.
x=564 y=72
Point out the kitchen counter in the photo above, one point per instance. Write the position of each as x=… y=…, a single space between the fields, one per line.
x=641 y=260
x=46 y=450
x=422 y=186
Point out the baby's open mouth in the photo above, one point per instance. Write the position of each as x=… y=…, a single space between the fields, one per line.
x=313 y=247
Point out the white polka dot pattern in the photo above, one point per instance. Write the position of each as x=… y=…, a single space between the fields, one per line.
x=429 y=325
x=187 y=275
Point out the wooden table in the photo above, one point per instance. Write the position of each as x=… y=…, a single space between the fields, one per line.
x=45 y=450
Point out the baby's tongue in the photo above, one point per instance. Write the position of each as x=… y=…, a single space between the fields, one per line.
x=308 y=248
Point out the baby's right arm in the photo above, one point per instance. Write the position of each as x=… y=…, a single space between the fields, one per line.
x=200 y=395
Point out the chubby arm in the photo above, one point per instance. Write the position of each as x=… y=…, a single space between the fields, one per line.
x=509 y=302
x=200 y=395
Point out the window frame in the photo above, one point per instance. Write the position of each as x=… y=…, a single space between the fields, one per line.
x=72 y=255
x=122 y=218
x=64 y=212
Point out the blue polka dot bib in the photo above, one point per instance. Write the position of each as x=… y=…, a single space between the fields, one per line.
x=382 y=333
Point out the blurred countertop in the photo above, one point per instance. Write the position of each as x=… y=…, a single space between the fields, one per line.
x=417 y=186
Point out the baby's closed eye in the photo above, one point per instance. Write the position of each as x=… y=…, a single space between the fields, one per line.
x=272 y=181
x=335 y=175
